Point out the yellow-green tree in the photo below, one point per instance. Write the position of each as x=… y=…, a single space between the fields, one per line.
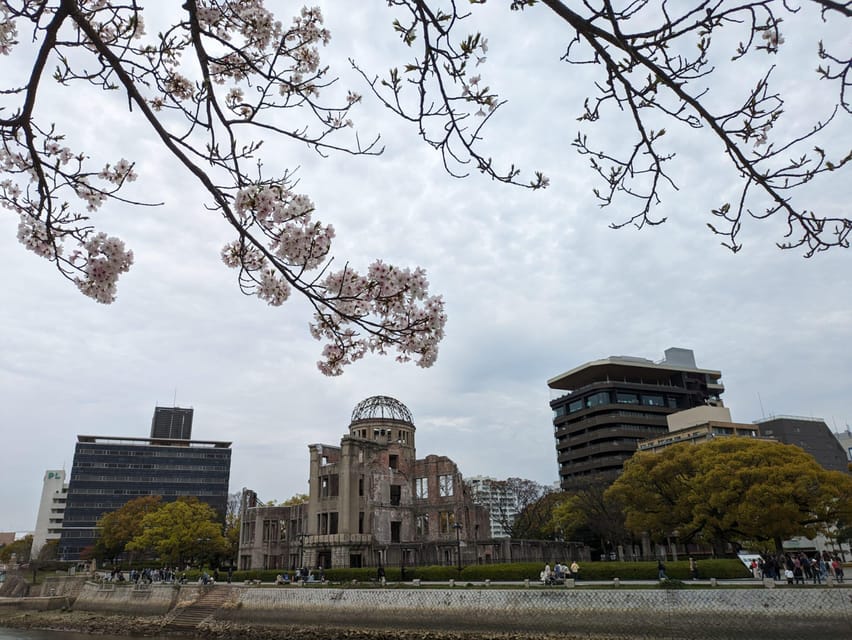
x=181 y=532
x=119 y=527
x=731 y=490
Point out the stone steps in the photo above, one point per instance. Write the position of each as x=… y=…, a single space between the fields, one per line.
x=188 y=618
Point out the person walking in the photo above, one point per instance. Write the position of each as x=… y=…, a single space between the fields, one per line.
x=661 y=570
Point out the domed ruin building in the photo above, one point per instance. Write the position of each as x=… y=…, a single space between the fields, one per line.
x=373 y=502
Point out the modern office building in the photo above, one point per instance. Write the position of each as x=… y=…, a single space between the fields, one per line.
x=604 y=408
x=811 y=434
x=109 y=471
x=845 y=439
x=172 y=422
x=51 y=510
x=696 y=425
x=372 y=502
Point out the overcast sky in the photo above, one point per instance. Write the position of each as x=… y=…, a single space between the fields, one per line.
x=535 y=283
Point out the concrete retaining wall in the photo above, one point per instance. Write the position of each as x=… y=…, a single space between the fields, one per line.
x=779 y=614
x=154 y=599
x=652 y=613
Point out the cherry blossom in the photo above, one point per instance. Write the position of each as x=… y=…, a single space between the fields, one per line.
x=225 y=77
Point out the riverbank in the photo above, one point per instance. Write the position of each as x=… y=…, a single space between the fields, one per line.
x=146 y=626
x=254 y=612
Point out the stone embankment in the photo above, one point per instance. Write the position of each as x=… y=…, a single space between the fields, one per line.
x=461 y=612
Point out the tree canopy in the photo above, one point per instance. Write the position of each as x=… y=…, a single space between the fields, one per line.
x=225 y=76
x=20 y=548
x=118 y=528
x=182 y=531
x=733 y=490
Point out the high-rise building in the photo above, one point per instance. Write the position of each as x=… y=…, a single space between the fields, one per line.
x=172 y=423
x=499 y=498
x=110 y=471
x=604 y=408
x=51 y=510
x=810 y=434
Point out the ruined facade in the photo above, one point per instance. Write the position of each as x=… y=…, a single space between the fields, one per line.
x=372 y=502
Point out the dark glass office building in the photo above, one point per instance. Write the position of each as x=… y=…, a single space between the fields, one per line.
x=109 y=471
x=603 y=409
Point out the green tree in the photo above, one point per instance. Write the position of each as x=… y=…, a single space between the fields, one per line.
x=292 y=501
x=731 y=490
x=181 y=532
x=587 y=513
x=119 y=527
x=21 y=549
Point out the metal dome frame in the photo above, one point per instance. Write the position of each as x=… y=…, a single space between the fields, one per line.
x=381 y=408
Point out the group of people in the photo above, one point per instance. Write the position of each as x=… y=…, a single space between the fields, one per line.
x=143 y=576
x=797 y=568
x=559 y=572
x=165 y=575
x=301 y=575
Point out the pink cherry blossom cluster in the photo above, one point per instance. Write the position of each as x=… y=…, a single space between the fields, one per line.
x=393 y=298
x=285 y=218
x=104 y=260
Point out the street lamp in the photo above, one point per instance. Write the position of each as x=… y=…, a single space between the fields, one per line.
x=458 y=529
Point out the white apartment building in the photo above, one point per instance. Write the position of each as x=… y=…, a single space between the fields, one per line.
x=497 y=497
x=51 y=509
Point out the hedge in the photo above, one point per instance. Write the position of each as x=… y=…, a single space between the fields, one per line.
x=508 y=572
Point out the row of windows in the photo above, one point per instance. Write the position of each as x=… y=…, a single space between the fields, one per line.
x=143 y=492
x=158 y=479
x=401 y=435
x=617 y=397
x=446 y=523
x=445 y=486
x=154 y=452
x=169 y=467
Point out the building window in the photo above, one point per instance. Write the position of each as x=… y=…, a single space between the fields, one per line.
x=575 y=406
x=626 y=398
x=445 y=486
x=395 y=494
x=396 y=527
x=653 y=401
x=330 y=486
x=361 y=486
x=421 y=487
x=393 y=461
x=601 y=397
x=332 y=522
x=422 y=525
x=446 y=519
x=270 y=530
x=360 y=522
